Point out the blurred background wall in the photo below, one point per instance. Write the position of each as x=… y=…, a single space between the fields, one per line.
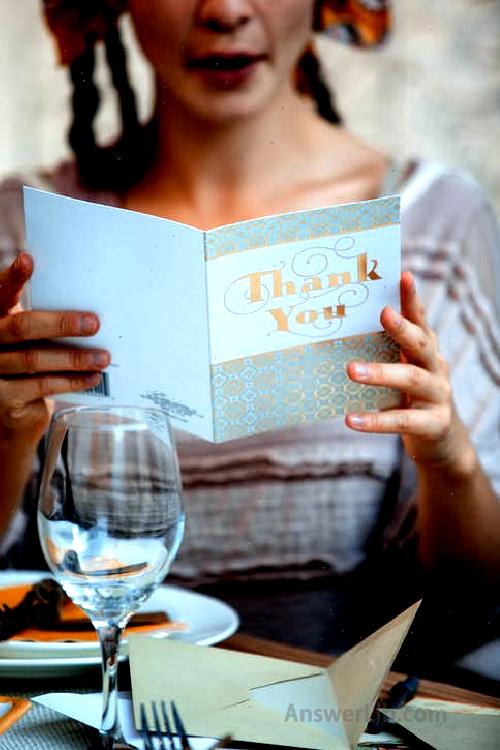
x=433 y=91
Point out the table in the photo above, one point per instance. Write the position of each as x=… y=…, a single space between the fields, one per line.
x=427 y=688
x=42 y=729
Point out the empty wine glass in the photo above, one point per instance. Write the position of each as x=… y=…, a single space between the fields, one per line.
x=110 y=519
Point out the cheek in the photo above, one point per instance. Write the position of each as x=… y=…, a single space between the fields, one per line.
x=161 y=26
x=301 y=11
x=289 y=24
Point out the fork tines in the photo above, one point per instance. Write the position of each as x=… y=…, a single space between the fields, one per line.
x=164 y=735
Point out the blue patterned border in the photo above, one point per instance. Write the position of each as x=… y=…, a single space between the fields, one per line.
x=301 y=225
x=301 y=384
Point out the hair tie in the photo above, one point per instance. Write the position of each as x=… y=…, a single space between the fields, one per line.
x=364 y=23
x=75 y=24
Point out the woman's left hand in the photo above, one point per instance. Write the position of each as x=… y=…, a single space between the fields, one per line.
x=431 y=430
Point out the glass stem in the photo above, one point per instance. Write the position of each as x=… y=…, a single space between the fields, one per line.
x=109 y=638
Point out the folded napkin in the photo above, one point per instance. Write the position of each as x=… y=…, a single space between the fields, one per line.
x=87 y=709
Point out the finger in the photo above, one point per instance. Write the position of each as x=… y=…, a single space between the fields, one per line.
x=428 y=423
x=416 y=382
x=418 y=345
x=411 y=307
x=13 y=279
x=22 y=391
x=52 y=360
x=29 y=326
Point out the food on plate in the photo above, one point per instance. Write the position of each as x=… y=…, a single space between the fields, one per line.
x=43 y=612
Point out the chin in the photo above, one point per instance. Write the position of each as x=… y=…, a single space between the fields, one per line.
x=230 y=108
x=219 y=106
x=227 y=115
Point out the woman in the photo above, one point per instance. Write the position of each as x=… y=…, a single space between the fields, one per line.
x=244 y=126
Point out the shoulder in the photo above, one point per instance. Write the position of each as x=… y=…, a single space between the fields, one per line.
x=11 y=218
x=62 y=178
x=441 y=204
x=449 y=229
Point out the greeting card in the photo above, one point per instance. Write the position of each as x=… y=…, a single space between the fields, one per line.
x=240 y=329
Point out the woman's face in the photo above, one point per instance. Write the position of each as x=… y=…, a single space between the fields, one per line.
x=223 y=60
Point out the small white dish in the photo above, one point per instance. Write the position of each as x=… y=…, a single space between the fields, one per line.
x=208 y=621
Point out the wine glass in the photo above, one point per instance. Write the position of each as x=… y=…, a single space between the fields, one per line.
x=110 y=519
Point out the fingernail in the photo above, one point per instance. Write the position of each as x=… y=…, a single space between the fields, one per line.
x=397 y=319
x=356 y=420
x=23 y=264
x=100 y=359
x=361 y=370
x=88 y=323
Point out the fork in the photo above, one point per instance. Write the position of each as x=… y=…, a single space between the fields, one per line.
x=165 y=743
x=165 y=737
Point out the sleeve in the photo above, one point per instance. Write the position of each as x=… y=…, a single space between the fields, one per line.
x=454 y=253
x=452 y=246
x=20 y=545
x=481 y=250
x=20 y=540
x=467 y=326
x=11 y=220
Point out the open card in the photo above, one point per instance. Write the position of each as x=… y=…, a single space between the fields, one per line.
x=259 y=699
x=236 y=330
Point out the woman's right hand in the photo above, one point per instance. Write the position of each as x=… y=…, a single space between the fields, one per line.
x=33 y=367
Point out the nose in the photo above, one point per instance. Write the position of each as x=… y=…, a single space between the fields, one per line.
x=224 y=16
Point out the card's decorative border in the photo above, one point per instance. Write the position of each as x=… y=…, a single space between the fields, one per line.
x=297 y=385
x=321 y=222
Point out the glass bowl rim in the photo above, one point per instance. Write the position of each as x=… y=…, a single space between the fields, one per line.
x=58 y=416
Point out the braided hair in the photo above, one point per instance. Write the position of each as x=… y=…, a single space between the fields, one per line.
x=121 y=164
x=311 y=81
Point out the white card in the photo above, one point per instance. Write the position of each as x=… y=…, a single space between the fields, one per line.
x=244 y=328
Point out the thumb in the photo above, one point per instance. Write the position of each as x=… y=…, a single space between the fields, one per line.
x=13 y=279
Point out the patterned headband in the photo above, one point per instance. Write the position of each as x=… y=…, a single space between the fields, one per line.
x=73 y=22
x=364 y=23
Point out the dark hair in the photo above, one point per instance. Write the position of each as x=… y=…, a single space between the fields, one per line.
x=314 y=84
x=120 y=165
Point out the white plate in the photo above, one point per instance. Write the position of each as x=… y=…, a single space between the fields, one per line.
x=208 y=620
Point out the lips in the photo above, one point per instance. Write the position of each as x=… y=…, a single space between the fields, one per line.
x=225 y=62
x=225 y=71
